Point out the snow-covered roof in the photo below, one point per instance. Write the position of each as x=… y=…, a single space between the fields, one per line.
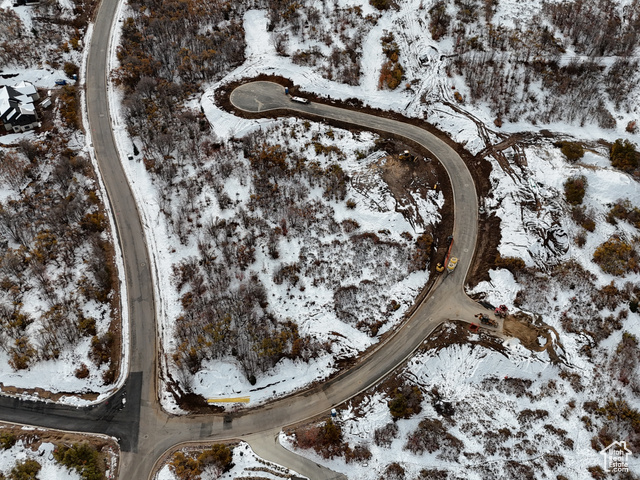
x=25 y=88
x=4 y=100
x=16 y=103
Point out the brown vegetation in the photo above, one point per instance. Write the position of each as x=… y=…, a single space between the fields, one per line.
x=574 y=190
x=391 y=73
x=215 y=460
x=616 y=256
x=54 y=242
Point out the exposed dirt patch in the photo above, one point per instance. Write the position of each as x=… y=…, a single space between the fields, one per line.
x=459 y=333
x=45 y=394
x=526 y=332
x=534 y=335
x=419 y=174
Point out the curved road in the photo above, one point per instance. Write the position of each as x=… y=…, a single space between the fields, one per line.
x=144 y=429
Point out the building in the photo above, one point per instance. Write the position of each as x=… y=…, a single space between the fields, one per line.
x=17 y=107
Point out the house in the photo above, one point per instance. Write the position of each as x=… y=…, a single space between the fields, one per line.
x=17 y=108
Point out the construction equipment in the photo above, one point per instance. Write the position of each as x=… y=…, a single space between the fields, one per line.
x=447 y=261
x=501 y=311
x=451 y=266
x=406 y=155
x=486 y=320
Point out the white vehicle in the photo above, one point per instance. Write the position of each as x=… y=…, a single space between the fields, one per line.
x=300 y=100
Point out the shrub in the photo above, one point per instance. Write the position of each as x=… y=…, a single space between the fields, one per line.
x=329 y=441
x=69 y=106
x=21 y=354
x=528 y=416
x=622 y=413
x=82 y=371
x=623 y=155
x=513 y=264
x=583 y=219
x=390 y=75
x=574 y=189
x=185 y=467
x=351 y=204
x=325 y=439
x=405 y=402
x=218 y=456
x=7 y=440
x=394 y=471
x=628 y=341
x=439 y=21
x=109 y=375
x=597 y=472
x=25 y=470
x=306 y=438
x=433 y=474
x=288 y=272
x=623 y=210
x=81 y=457
x=383 y=436
x=87 y=325
x=359 y=453
x=380 y=4
x=572 y=150
x=101 y=348
x=70 y=69
x=349 y=225
x=589 y=224
x=93 y=222
x=615 y=257
x=431 y=436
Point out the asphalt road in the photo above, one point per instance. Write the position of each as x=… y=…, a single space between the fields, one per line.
x=145 y=431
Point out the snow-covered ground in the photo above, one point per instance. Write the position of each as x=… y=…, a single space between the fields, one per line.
x=509 y=407
x=29 y=446
x=50 y=470
x=525 y=230
x=246 y=464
